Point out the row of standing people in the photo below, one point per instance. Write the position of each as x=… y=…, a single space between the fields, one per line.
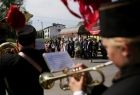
x=85 y=48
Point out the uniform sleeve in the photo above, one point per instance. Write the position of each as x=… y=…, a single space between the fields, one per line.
x=98 y=89
x=2 y=64
x=2 y=87
x=3 y=69
x=6 y=62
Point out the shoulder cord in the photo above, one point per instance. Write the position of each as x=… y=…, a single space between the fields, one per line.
x=31 y=61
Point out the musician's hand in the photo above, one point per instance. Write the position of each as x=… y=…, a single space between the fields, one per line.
x=77 y=81
x=76 y=85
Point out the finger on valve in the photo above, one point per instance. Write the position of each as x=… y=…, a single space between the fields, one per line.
x=78 y=67
x=87 y=76
x=76 y=85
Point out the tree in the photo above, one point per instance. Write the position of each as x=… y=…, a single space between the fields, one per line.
x=83 y=31
x=5 y=4
x=13 y=16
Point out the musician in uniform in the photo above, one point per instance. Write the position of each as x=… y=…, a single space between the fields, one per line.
x=19 y=73
x=120 y=33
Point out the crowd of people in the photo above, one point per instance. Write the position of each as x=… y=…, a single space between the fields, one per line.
x=119 y=22
x=85 y=48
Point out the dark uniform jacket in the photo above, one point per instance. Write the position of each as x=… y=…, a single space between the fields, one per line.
x=19 y=76
x=128 y=83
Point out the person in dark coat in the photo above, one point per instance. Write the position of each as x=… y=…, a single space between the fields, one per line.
x=70 y=47
x=120 y=34
x=103 y=50
x=17 y=75
x=89 y=48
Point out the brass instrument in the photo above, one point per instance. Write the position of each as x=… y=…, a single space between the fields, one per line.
x=47 y=79
x=8 y=47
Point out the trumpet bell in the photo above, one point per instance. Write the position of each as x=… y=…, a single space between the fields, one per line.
x=45 y=80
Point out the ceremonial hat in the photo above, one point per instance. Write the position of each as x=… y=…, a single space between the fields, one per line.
x=120 y=19
x=26 y=35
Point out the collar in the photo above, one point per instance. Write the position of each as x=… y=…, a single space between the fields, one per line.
x=127 y=71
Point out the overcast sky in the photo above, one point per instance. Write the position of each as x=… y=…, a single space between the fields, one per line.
x=51 y=11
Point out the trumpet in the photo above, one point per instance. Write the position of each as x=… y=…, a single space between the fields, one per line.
x=47 y=80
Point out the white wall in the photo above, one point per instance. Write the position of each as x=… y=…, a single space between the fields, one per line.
x=53 y=31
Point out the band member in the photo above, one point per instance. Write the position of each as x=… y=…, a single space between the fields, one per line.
x=70 y=47
x=120 y=33
x=18 y=75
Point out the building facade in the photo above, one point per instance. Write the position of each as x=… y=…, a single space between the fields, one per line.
x=53 y=31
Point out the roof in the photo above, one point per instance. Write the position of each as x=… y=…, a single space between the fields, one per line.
x=80 y=30
x=73 y=30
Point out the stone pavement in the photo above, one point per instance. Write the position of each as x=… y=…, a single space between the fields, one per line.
x=108 y=71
